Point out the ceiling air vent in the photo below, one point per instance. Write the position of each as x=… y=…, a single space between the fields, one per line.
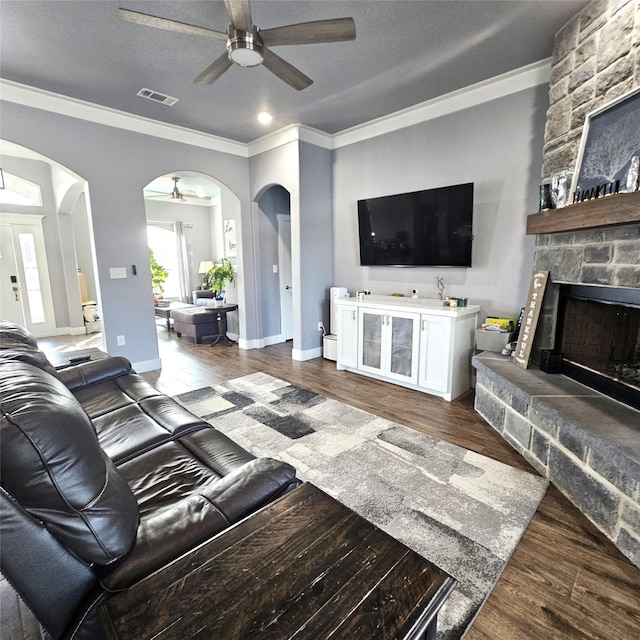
x=157 y=97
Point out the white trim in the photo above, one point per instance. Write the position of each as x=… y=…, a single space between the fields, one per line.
x=77 y=331
x=269 y=340
x=24 y=219
x=147 y=365
x=63 y=105
x=517 y=80
x=309 y=354
x=291 y=133
x=250 y=344
x=512 y=82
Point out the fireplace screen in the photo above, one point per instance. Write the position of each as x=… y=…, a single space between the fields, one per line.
x=603 y=339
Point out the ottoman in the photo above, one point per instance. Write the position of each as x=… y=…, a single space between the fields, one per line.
x=195 y=322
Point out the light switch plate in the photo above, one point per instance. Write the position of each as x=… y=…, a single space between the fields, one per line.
x=117 y=272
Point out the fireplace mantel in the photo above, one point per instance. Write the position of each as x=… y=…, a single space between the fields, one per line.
x=622 y=208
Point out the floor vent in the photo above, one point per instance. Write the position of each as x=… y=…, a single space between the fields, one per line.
x=157 y=97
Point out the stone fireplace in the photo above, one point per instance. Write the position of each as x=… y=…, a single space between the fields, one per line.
x=586 y=442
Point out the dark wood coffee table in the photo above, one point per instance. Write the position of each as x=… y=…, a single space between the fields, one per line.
x=305 y=567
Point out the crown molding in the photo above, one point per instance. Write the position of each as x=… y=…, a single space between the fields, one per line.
x=497 y=87
x=508 y=83
x=64 y=105
x=293 y=132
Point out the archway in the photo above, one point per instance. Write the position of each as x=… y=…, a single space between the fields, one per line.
x=66 y=236
x=275 y=285
x=193 y=211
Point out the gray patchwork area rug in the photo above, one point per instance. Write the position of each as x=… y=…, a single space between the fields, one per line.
x=462 y=511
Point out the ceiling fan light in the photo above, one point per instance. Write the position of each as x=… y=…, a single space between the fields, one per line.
x=244 y=47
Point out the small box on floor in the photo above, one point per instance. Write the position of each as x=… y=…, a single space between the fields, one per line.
x=330 y=347
x=550 y=361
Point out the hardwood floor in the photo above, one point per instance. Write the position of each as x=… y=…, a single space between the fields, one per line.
x=565 y=580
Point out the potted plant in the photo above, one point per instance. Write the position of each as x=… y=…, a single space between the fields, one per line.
x=158 y=275
x=220 y=275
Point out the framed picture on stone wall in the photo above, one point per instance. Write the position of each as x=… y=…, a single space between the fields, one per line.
x=610 y=140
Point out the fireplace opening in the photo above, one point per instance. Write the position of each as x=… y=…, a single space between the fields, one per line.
x=599 y=338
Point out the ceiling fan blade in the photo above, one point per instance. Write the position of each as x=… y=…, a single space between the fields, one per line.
x=169 y=25
x=337 y=30
x=285 y=71
x=214 y=70
x=240 y=13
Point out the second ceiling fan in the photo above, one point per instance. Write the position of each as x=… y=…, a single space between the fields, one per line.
x=248 y=46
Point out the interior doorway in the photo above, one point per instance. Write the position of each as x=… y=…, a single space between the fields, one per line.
x=25 y=292
x=284 y=267
x=274 y=265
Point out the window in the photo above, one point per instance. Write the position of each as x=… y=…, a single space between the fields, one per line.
x=20 y=191
x=31 y=276
x=162 y=241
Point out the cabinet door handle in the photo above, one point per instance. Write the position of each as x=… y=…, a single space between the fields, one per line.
x=424 y=325
x=353 y=315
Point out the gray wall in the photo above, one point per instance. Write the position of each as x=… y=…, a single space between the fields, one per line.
x=316 y=241
x=304 y=170
x=117 y=164
x=498 y=146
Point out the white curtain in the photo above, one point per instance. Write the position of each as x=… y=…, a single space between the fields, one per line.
x=183 y=262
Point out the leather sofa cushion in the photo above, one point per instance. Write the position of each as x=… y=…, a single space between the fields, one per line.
x=130 y=415
x=52 y=464
x=184 y=501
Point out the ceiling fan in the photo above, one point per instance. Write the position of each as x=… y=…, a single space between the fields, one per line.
x=175 y=193
x=248 y=46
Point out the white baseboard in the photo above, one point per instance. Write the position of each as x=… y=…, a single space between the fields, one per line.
x=273 y=340
x=77 y=331
x=309 y=354
x=147 y=365
x=251 y=344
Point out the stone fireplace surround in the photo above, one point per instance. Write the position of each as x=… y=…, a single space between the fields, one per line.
x=587 y=444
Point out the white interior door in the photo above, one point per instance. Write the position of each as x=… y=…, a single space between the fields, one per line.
x=25 y=290
x=284 y=269
x=10 y=294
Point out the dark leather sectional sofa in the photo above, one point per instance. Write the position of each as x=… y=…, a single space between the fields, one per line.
x=105 y=480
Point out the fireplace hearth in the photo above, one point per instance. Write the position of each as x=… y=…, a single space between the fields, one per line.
x=598 y=335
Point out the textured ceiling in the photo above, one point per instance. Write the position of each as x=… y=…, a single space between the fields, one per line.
x=405 y=52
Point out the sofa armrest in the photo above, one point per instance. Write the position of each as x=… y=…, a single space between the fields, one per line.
x=250 y=487
x=201 y=296
x=88 y=373
x=167 y=533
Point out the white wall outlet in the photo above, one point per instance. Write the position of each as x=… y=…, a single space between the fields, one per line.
x=120 y=341
x=117 y=272
x=275 y=268
x=320 y=326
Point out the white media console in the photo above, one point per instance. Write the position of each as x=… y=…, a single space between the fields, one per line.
x=417 y=343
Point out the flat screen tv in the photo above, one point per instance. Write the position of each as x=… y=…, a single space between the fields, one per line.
x=431 y=228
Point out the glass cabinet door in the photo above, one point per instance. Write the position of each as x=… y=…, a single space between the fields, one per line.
x=371 y=333
x=401 y=346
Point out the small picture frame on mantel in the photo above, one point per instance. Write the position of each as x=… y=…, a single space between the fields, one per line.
x=610 y=140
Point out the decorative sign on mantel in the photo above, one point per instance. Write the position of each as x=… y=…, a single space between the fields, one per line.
x=530 y=317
